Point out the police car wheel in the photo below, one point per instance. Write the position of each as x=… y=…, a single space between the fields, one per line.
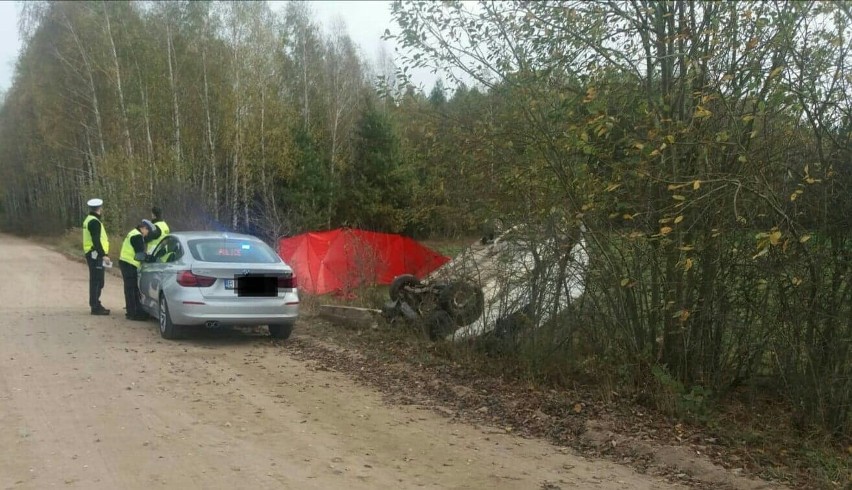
x=281 y=331
x=168 y=330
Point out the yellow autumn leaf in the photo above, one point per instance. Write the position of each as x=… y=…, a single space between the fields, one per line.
x=761 y=253
x=625 y=282
x=591 y=93
x=687 y=264
x=665 y=230
x=672 y=187
x=686 y=248
x=670 y=139
x=804 y=238
x=678 y=197
x=796 y=281
x=775 y=237
x=678 y=219
x=701 y=113
x=696 y=185
x=777 y=71
x=578 y=408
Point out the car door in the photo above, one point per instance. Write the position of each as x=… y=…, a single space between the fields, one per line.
x=151 y=275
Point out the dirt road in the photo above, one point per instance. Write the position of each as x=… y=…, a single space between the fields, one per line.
x=101 y=402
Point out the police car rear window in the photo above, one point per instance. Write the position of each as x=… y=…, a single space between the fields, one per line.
x=231 y=251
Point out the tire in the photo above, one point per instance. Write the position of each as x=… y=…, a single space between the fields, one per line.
x=491 y=230
x=281 y=331
x=439 y=325
x=168 y=330
x=400 y=282
x=389 y=310
x=463 y=302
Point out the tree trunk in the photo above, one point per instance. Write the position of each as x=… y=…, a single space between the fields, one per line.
x=235 y=190
x=306 y=113
x=128 y=143
x=93 y=96
x=150 y=143
x=175 y=107
x=211 y=148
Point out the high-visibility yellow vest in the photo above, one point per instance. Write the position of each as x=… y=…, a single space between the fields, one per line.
x=88 y=242
x=128 y=254
x=164 y=230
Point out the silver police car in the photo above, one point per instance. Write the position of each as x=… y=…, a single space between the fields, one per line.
x=218 y=279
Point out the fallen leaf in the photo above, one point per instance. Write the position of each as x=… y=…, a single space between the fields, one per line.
x=775 y=237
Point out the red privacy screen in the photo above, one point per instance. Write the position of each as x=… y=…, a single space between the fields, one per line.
x=341 y=259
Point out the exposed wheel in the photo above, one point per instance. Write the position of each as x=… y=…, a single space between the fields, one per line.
x=281 y=331
x=168 y=330
x=439 y=325
x=463 y=301
x=400 y=282
x=389 y=310
x=491 y=230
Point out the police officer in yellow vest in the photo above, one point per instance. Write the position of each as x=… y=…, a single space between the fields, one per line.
x=132 y=255
x=161 y=229
x=96 y=250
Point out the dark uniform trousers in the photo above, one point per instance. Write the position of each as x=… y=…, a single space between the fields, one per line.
x=130 y=275
x=96 y=280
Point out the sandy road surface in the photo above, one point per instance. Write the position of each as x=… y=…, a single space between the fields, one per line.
x=100 y=402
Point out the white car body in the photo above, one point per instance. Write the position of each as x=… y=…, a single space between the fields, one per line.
x=506 y=272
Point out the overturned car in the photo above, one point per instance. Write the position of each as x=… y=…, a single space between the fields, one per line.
x=512 y=275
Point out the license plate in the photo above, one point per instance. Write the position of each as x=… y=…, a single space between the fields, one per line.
x=253 y=287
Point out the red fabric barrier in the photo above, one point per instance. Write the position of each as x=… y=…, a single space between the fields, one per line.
x=342 y=259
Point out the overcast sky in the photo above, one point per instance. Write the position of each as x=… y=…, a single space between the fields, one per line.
x=365 y=22
x=9 y=42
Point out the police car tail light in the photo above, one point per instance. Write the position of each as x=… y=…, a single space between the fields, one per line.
x=285 y=282
x=188 y=279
